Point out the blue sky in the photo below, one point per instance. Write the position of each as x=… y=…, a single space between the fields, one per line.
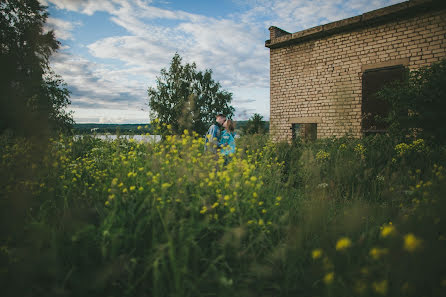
x=112 y=50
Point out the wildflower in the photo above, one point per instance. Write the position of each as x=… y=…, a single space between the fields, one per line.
x=140 y=189
x=132 y=188
x=254 y=195
x=343 y=243
x=322 y=155
x=203 y=210
x=253 y=178
x=226 y=198
x=250 y=222
x=232 y=209
x=165 y=185
x=387 y=230
x=328 y=278
x=215 y=205
x=107 y=203
x=263 y=210
x=111 y=196
x=261 y=222
x=376 y=253
x=316 y=254
x=124 y=190
x=278 y=198
x=411 y=243
x=260 y=203
x=380 y=287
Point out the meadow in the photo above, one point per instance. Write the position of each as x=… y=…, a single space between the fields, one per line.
x=336 y=217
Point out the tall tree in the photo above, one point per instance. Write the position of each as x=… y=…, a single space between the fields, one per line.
x=255 y=125
x=33 y=98
x=186 y=98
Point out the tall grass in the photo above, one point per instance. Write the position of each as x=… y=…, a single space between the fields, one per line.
x=339 y=217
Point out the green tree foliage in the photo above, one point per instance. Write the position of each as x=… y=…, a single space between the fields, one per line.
x=418 y=104
x=185 y=98
x=33 y=98
x=255 y=125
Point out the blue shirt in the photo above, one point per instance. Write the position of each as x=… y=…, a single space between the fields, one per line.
x=213 y=137
x=227 y=143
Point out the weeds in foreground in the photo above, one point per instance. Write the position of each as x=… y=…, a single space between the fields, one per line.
x=339 y=217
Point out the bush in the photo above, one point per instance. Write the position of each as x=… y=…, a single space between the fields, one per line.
x=418 y=105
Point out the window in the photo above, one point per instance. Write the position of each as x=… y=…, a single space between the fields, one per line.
x=373 y=108
x=306 y=131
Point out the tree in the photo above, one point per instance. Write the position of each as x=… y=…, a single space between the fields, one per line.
x=418 y=104
x=33 y=99
x=255 y=125
x=185 y=98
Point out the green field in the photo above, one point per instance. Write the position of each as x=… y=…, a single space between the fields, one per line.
x=337 y=217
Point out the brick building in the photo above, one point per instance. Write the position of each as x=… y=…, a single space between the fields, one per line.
x=323 y=79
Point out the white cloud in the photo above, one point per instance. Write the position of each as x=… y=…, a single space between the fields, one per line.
x=85 y=6
x=62 y=29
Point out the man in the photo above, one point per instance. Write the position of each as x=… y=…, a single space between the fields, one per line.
x=213 y=135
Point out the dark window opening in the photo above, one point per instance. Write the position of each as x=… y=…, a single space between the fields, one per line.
x=374 y=110
x=306 y=132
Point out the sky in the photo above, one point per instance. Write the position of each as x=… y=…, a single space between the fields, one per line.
x=113 y=50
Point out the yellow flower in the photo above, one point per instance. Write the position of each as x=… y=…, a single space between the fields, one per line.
x=316 y=254
x=387 y=230
x=328 y=278
x=232 y=209
x=107 y=203
x=132 y=188
x=253 y=178
x=226 y=198
x=343 y=243
x=203 y=210
x=380 y=287
x=141 y=189
x=263 y=210
x=261 y=222
x=215 y=205
x=376 y=253
x=322 y=155
x=411 y=243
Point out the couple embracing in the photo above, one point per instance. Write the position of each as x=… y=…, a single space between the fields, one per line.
x=218 y=141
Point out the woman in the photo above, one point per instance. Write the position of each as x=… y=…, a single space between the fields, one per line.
x=227 y=140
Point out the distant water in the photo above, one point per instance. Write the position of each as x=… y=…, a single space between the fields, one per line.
x=139 y=138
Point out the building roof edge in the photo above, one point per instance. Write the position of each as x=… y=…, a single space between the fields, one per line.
x=378 y=16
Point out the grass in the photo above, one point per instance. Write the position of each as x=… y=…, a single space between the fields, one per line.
x=338 y=217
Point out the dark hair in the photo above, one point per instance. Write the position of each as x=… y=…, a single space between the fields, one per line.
x=231 y=125
x=220 y=115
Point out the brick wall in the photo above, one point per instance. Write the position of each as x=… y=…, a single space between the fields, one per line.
x=317 y=78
